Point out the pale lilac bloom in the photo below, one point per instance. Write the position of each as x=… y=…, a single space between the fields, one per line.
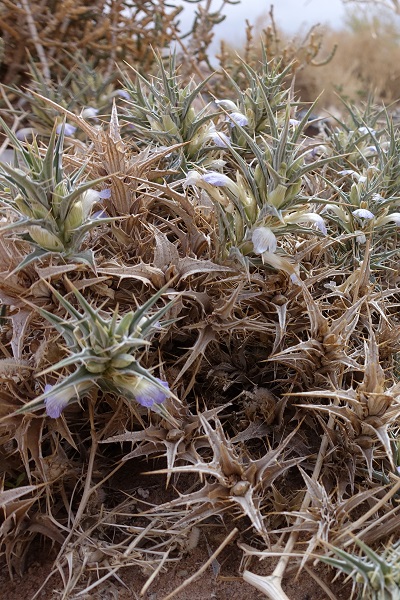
x=99 y=214
x=294 y=122
x=105 y=194
x=220 y=139
x=148 y=393
x=217 y=179
x=237 y=118
x=123 y=94
x=371 y=150
x=90 y=196
x=55 y=403
x=25 y=133
x=264 y=240
x=68 y=129
x=363 y=213
x=364 y=130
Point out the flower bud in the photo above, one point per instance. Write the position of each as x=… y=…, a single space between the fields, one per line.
x=122 y=361
x=169 y=125
x=60 y=192
x=23 y=206
x=95 y=367
x=75 y=216
x=190 y=117
x=277 y=196
x=354 y=195
x=45 y=239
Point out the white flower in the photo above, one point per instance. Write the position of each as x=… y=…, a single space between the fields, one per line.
x=360 y=237
x=377 y=198
x=264 y=240
x=392 y=218
x=89 y=112
x=193 y=178
x=226 y=104
x=89 y=197
x=307 y=217
x=347 y=172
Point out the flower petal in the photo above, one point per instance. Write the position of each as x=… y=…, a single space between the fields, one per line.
x=68 y=129
x=264 y=240
x=55 y=403
x=89 y=112
x=148 y=393
x=238 y=118
x=105 y=194
x=363 y=213
x=220 y=139
x=217 y=179
x=226 y=104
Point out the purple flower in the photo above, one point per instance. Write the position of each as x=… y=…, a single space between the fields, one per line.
x=105 y=194
x=99 y=214
x=148 y=393
x=55 y=403
x=68 y=129
x=363 y=213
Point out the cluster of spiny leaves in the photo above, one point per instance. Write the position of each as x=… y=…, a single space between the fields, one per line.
x=236 y=321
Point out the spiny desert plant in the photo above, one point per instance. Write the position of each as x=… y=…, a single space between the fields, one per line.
x=55 y=209
x=376 y=576
x=104 y=352
x=224 y=270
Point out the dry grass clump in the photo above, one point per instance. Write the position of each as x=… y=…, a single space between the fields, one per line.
x=198 y=291
x=105 y=31
x=358 y=60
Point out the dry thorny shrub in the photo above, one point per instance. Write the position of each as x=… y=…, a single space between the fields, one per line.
x=200 y=291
